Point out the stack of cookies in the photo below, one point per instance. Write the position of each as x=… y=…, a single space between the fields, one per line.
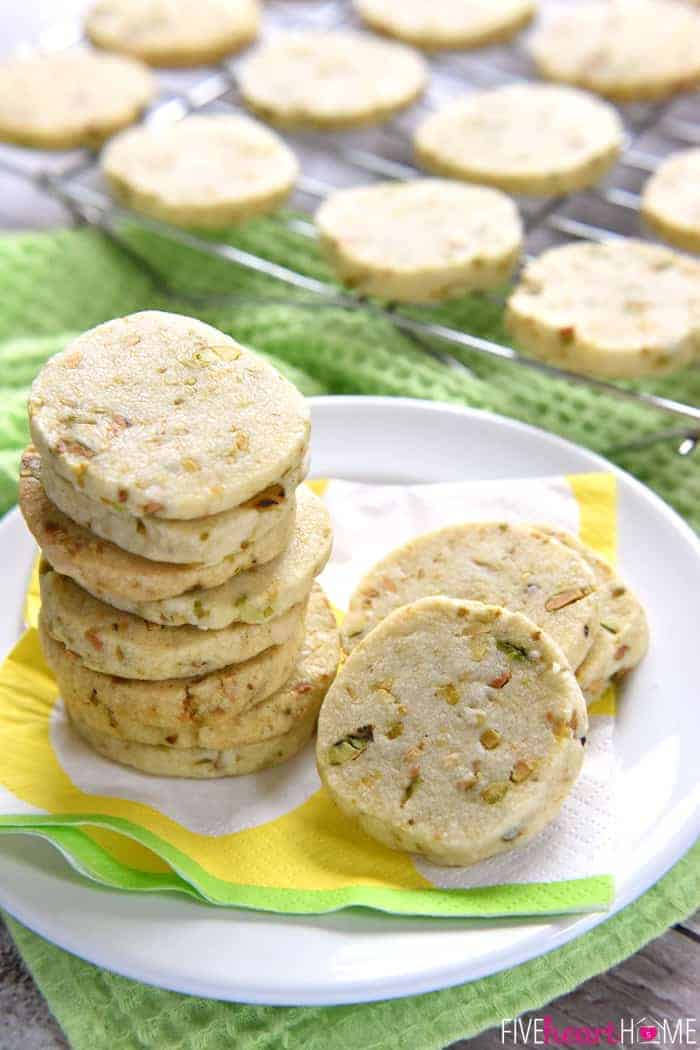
x=179 y=610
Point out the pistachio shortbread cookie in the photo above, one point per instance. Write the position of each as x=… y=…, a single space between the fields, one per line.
x=291 y=701
x=173 y=32
x=331 y=79
x=207 y=171
x=120 y=643
x=621 y=308
x=538 y=139
x=515 y=566
x=623 y=637
x=455 y=730
x=197 y=763
x=174 y=710
x=70 y=99
x=106 y=570
x=165 y=415
x=625 y=49
x=257 y=595
x=439 y=24
x=671 y=200
x=205 y=541
x=420 y=241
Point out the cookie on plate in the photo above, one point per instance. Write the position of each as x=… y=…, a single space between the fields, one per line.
x=671 y=200
x=265 y=735
x=420 y=241
x=455 y=730
x=623 y=636
x=168 y=33
x=107 y=571
x=538 y=139
x=621 y=308
x=514 y=566
x=331 y=79
x=204 y=541
x=120 y=643
x=165 y=415
x=627 y=49
x=207 y=171
x=70 y=99
x=260 y=594
x=447 y=24
x=291 y=700
x=174 y=710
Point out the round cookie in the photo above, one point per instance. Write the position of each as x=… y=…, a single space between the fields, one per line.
x=197 y=763
x=165 y=415
x=620 y=308
x=206 y=171
x=173 y=32
x=627 y=49
x=420 y=241
x=105 y=569
x=330 y=79
x=455 y=730
x=671 y=200
x=447 y=24
x=538 y=139
x=70 y=99
x=623 y=636
x=515 y=566
x=175 y=710
x=292 y=700
x=261 y=594
x=119 y=643
x=205 y=541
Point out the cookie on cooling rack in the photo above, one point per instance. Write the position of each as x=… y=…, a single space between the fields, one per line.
x=671 y=200
x=621 y=308
x=72 y=99
x=454 y=730
x=331 y=79
x=420 y=241
x=447 y=24
x=163 y=33
x=207 y=171
x=537 y=139
x=626 y=49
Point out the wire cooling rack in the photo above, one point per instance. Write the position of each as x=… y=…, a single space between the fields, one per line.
x=331 y=160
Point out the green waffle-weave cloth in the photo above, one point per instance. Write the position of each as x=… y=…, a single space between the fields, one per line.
x=59 y=283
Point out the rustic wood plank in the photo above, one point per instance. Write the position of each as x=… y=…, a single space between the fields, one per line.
x=660 y=981
x=26 y=1023
x=692 y=924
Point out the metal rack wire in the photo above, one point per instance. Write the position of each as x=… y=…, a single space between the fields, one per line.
x=611 y=209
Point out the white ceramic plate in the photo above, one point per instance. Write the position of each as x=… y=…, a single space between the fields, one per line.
x=359 y=955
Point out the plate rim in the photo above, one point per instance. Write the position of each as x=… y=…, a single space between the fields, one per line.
x=556 y=937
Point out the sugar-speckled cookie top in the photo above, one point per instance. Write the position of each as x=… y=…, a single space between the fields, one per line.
x=165 y=415
x=331 y=79
x=515 y=566
x=420 y=241
x=173 y=32
x=524 y=138
x=454 y=730
x=70 y=99
x=201 y=171
x=671 y=200
x=625 y=49
x=436 y=24
x=620 y=308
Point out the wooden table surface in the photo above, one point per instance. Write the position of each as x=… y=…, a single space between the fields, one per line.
x=662 y=981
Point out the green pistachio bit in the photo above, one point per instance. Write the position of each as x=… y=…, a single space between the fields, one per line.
x=395 y=730
x=351 y=746
x=268 y=611
x=495 y=792
x=608 y=627
x=410 y=789
x=513 y=652
x=199 y=610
